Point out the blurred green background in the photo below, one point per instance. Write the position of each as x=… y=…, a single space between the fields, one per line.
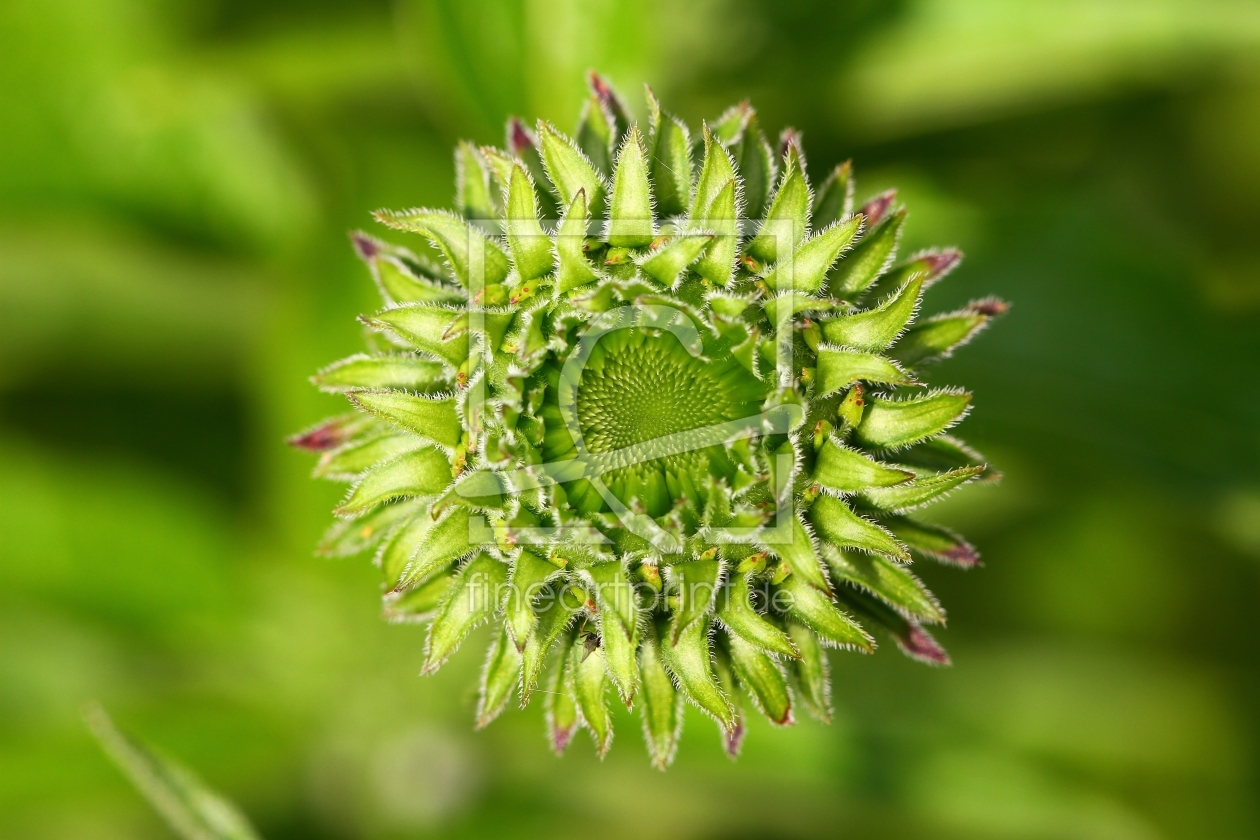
x=177 y=178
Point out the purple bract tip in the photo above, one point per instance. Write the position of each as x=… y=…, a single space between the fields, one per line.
x=963 y=555
x=991 y=307
x=319 y=439
x=938 y=264
x=919 y=644
x=877 y=207
x=560 y=737
x=364 y=246
x=599 y=85
x=735 y=739
x=789 y=139
x=519 y=138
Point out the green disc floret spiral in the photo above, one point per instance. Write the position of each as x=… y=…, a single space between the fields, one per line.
x=649 y=403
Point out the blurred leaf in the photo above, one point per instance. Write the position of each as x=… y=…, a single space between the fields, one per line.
x=959 y=61
x=121 y=301
x=98 y=108
x=193 y=810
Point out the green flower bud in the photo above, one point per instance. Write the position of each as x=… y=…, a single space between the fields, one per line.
x=659 y=421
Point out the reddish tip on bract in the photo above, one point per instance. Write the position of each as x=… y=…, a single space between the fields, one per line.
x=733 y=739
x=365 y=246
x=790 y=139
x=920 y=645
x=319 y=439
x=941 y=263
x=877 y=207
x=608 y=99
x=991 y=307
x=963 y=555
x=519 y=138
x=945 y=260
x=560 y=738
x=599 y=85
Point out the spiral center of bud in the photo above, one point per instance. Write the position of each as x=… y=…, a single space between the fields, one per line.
x=639 y=388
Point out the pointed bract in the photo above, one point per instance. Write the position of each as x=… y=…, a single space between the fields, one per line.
x=849 y=471
x=888 y=424
x=763 y=677
x=807 y=269
x=818 y=612
x=568 y=169
x=432 y=418
x=471 y=256
x=837 y=524
x=499 y=678
x=665 y=264
x=690 y=660
x=787 y=220
x=889 y=581
x=670 y=169
x=717 y=262
x=834 y=199
x=386 y=371
x=811 y=672
x=736 y=613
x=443 y=544
x=877 y=328
x=938 y=337
x=563 y=717
x=473 y=194
x=574 y=269
x=716 y=172
x=838 y=368
x=590 y=687
x=470 y=602
x=870 y=257
x=440 y=331
x=661 y=707
x=424 y=472
x=530 y=246
x=694 y=585
x=630 y=222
